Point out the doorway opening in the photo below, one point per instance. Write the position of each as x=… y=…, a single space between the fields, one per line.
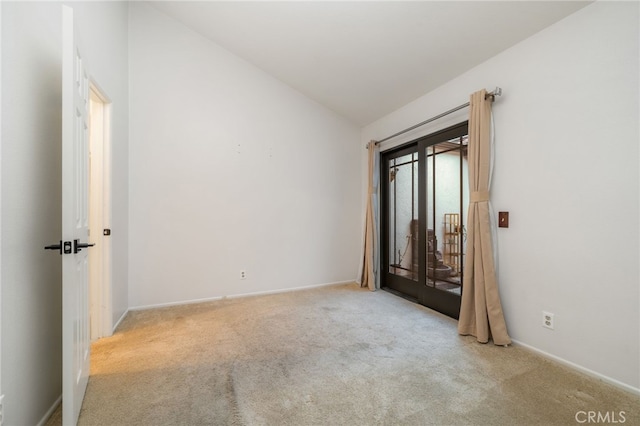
x=424 y=200
x=100 y=308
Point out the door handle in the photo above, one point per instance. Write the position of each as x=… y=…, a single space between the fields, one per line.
x=54 y=247
x=77 y=245
x=62 y=247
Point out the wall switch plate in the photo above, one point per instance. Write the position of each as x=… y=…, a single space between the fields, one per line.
x=503 y=219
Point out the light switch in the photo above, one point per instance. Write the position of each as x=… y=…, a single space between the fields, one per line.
x=503 y=219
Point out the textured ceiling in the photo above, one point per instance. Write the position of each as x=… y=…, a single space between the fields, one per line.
x=364 y=60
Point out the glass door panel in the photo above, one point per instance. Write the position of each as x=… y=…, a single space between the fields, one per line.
x=448 y=196
x=423 y=207
x=400 y=216
x=446 y=199
x=403 y=211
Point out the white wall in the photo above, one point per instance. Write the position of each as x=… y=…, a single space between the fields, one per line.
x=567 y=170
x=31 y=287
x=31 y=191
x=231 y=169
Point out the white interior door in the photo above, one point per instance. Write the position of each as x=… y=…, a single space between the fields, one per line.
x=75 y=222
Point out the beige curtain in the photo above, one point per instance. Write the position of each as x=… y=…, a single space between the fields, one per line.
x=369 y=276
x=480 y=311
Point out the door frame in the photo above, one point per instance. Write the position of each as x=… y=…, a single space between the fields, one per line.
x=418 y=291
x=100 y=282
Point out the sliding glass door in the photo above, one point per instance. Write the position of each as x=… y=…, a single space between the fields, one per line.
x=400 y=205
x=424 y=202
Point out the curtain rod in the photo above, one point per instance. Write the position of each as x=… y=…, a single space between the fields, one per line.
x=492 y=95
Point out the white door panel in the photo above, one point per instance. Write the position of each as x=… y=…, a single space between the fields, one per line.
x=75 y=222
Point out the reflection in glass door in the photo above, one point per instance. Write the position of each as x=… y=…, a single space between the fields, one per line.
x=424 y=203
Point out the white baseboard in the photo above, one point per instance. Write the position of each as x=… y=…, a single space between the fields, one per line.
x=119 y=321
x=179 y=303
x=580 y=368
x=287 y=290
x=48 y=414
x=236 y=296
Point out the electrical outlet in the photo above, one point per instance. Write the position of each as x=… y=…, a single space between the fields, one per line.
x=547 y=320
x=243 y=274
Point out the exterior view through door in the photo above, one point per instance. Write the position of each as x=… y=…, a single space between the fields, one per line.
x=424 y=188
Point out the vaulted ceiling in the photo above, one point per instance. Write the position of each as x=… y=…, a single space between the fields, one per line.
x=363 y=59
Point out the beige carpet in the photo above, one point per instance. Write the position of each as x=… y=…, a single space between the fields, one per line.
x=330 y=356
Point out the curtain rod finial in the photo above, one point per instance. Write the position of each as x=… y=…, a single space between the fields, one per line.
x=492 y=95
